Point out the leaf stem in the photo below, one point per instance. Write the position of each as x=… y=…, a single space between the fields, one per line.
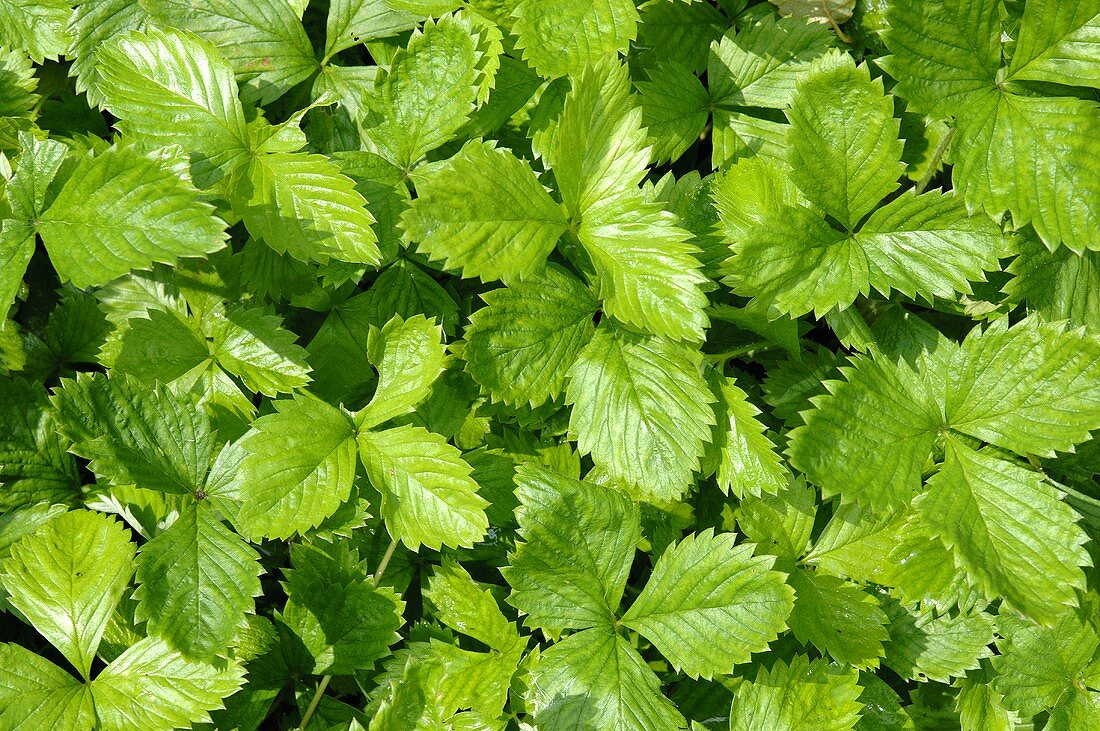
x=935 y=164
x=314 y=703
x=829 y=17
x=385 y=562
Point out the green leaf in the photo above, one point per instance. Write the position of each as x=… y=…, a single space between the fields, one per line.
x=134 y=434
x=598 y=148
x=172 y=88
x=782 y=523
x=301 y=204
x=152 y=686
x=17 y=97
x=709 y=604
x=936 y=73
x=675 y=107
x=35 y=693
x=799 y=696
x=868 y=440
x=35 y=26
x=520 y=346
x=344 y=621
x=121 y=211
x=93 y=23
x=484 y=212
x=351 y=22
x=1040 y=668
x=838 y=618
x=648 y=275
x=299 y=467
x=161 y=346
x=566 y=38
x=844 y=153
x=1033 y=388
x=652 y=391
x=408 y=355
x=927 y=244
x=925 y=645
x=1058 y=42
x=195 y=580
x=1047 y=181
x=759 y=65
x=577 y=545
x=30 y=191
x=34 y=466
x=428 y=496
x=464 y=605
x=1008 y=530
x=254 y=346
x=263 y=40
x=1060 y=286
x=595 y=679
x=747 y=463
x=67 y=577
x=427 y=95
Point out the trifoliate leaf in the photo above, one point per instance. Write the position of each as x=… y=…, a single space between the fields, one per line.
x=428 y=496
x=578 y=541
x=35 y=26
x=1058 y=44
x=781 y=523
x=759 y=65
x=172 y=88
x=647 y=273
x=520 y=346
x=35 y=693
x=195 y=580
x=254 y=346
x=925 y=645
x=299 y=467
x=301 y=204
x=1032 y=388
x=152 y=686
x=595 y=679
x=161 y=346
x=34 y=466
x=1007 y=530
x=838 y=618
x=134 y=434
x=799 y=696
x=345 y=622
x=263 y=40
x=652 y=391
x=408 y=356
x=66 y=579
x=747 y=462
x=838 y=165
x=484 y=212
x=121 y=211
x=351 y=22
x=565 y=38
x=427 y=95
x=709 y=604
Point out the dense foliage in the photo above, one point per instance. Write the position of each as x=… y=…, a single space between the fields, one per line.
x=557 y=364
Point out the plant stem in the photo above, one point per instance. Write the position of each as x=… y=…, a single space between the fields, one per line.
x=384 y=563
x=313 y=703
x=832 y=22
